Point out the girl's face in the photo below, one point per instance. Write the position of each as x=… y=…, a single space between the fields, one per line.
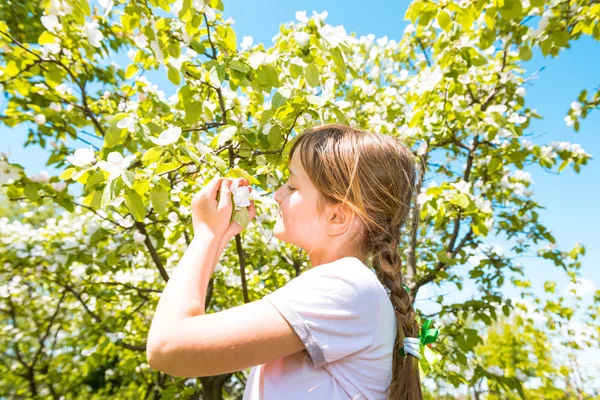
x=299 y=223
x=297 y=208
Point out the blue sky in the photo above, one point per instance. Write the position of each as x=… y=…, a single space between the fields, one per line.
x=571 y=199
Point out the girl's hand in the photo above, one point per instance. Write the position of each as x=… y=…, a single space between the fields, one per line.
x=210 y=215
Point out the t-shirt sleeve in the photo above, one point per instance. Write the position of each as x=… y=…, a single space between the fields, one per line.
x=333 y=308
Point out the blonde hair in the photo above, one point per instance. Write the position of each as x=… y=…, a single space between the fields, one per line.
x=374 y=175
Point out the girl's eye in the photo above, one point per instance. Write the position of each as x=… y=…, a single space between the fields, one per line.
x=291 y=188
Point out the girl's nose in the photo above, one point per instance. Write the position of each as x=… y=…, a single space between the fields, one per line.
x=276 y=196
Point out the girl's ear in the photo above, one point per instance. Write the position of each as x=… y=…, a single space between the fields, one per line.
x=340 y=218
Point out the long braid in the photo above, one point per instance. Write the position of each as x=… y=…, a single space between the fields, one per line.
x=388 y=266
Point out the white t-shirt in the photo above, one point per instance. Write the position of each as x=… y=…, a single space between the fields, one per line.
x=344 y=316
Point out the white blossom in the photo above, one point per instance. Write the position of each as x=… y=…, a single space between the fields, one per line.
x=127 y=122
x=140 y=40
x=55 y=107
x=515 y=118
x=176 y=7
x=168 y=136
x=261 y=58
x=40 y=119
x=59 y=186
x=107 y=4
x=60 y=8
x=333 y=35
x=302 y=38
x=301 y=16
x=8 y=172
x=240 y=195
x=51 y=23
x=131 y=54
x=63 y=89
x=94 y=36
x=116 y=164
x=521 y=91
x=157 y=51
x=173 y=217
x=246 y=42
x=50 y=48
x=82 y=157
x=569 y=120
x=575 y=106
x=266 y=128
x=139 y=237
x=42 y=177
x=498 y=108
x=462 y=186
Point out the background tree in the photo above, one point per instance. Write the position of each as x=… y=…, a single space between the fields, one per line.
x=82 y=285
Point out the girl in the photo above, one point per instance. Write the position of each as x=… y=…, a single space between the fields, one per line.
x=333 y=332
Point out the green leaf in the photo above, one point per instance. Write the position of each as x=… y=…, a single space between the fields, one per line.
x=66 y=174
x=153 y=154
x=312 y=75
x=173 y=75
x=237 y=172
x=159 y=199
x=278 y=101
x=242 y=217
x=493 y=165
x=239 y=66
x=31 y=191
x=111 y=190
x=46 y=38
x=444 y=20
x=217 y=161
x=132 y=69
x=54 y=75
x=318 y=101
x=135 y=204
x=129 y=178
x=525 y=53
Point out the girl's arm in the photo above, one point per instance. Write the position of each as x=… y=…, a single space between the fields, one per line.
x=183 y=340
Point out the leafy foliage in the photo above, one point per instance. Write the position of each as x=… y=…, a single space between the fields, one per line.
x=81 y=285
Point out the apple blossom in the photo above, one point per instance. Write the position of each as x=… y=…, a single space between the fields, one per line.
x=127 y=122
x=116 y=164
x=8 y=172
x=168 y=136
x=60 y=8
x=301 y=16
x=40 y=119
x=140 y=40
x=107 y=4
x=173 y=217
x=42 y=177
x=246 y=42
x=302 y=38
x=51 y=23
x=333 y=35
x=240 y=195
x=59 y=186
x=82 y=157
x=139 y=237
x=93 y=34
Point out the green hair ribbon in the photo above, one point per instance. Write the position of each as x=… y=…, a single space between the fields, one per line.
x=426 y=356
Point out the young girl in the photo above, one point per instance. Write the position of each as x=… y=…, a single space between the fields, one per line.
x=336 y=330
